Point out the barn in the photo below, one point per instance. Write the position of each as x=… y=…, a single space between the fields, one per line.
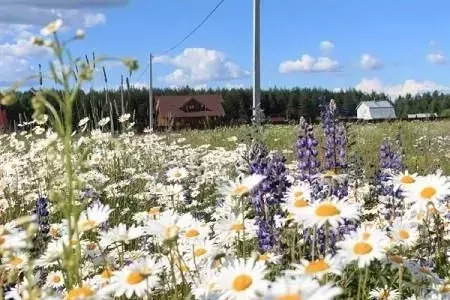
x=188 y=111
x=375 y=110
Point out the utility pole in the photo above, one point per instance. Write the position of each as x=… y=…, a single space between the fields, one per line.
x=150 y=94
x=256 y=62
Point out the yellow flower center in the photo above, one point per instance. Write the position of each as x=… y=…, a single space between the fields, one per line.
x=263 y=257
x=407 y=179
x=240 y=190
x=177 y=174
x=56 y=279
x=135 y=278
x=91 y=246
x=154 y=211
x=396 y=259
x=15 y=261
x=53 y=232
x=428 y=192
x=289 y=297
x=362 y=248
x=192 y=233
x=88 y=225
x=242 y=282
x=199 y=252
x=330 y=173
x=300 y=202
x=237 y=227
x=327 y=210
x=317 y=266
x=80 y=293
x=107 y=273
x=298 y=194
x=403 y=234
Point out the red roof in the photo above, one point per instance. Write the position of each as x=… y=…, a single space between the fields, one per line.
x=175 y=104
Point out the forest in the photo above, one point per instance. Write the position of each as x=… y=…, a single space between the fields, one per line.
x=288 y=104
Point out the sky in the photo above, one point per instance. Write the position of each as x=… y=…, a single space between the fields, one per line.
x=390 y=46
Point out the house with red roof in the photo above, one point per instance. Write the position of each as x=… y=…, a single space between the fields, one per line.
x=188 y=111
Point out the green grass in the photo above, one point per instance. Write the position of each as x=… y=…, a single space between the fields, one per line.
x=425 y=144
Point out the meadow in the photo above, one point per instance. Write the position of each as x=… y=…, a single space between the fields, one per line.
x=281 y=212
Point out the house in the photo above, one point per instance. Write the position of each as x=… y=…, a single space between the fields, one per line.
x=188 y=111
x=422 y=116
x=375 y=110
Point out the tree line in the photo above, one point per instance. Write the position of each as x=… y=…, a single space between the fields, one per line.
x=288 y=104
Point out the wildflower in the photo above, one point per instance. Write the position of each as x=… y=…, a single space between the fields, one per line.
x=318 y=267
x=301 y=287
x=54 y=279
x=176 y=174
x=307 y=162
x=405 y=233
x=52 y=27
x=242 y=187
x=332 y=211
x=241 y=280
x=363 y=250
x=103 y=122
x=79 y=34
x=83 y=122
x=131 y=281
x=428 y=191
x=404 y=180
x=384 y=293
x=94 y=216
x=82 y=292
x=123 y=118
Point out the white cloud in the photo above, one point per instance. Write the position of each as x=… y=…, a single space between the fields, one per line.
x=370 y=62
x=326 y=46
x=90 y=20
x=199 y=65
x=436 y=58
x=64 y=3
x=410 y=86
x=309 y=64
x=233 y=86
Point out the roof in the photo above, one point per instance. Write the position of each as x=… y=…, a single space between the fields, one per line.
x=376 y=104
x=174 y=104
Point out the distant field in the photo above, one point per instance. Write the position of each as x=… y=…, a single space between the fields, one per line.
x=426 y=144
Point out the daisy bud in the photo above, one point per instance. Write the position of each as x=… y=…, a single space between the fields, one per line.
x=80 y=34
x=37 y=41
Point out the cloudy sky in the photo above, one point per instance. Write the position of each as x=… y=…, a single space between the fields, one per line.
x=393 y=46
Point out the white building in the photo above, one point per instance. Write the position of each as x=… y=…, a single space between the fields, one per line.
x=375 y=110
x=422 y=116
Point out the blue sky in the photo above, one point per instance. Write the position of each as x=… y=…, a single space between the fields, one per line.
x=385 y=45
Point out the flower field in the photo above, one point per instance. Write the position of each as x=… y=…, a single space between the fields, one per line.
x=287 y=213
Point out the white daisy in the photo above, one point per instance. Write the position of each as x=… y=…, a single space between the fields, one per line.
x=296 y=200
x=404 y=233
x=234 y=227
x=15 y=261
x=404 y=180
x=166 y=227
x=300 y=288
x=176 y=174
x=241 y=280
x=94 y=216
x=318 y=267
x=52 y=27
x=362 y=250
x=54 y=279
x=332 y=211
x=384 y=294
x=242 y=187
x=130 y=281
x=121 y=234
x=427 y=191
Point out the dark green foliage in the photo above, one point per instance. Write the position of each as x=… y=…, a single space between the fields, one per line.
x=281 y=102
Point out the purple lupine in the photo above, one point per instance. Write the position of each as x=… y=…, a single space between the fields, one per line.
x=335 y=149
x=268 y=196
x=42 y=213
x=306 y=153
x=390 y=162
x=335 y=139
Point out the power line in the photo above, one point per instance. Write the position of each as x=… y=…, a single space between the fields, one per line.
x=195 y=29
x=186 y=37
